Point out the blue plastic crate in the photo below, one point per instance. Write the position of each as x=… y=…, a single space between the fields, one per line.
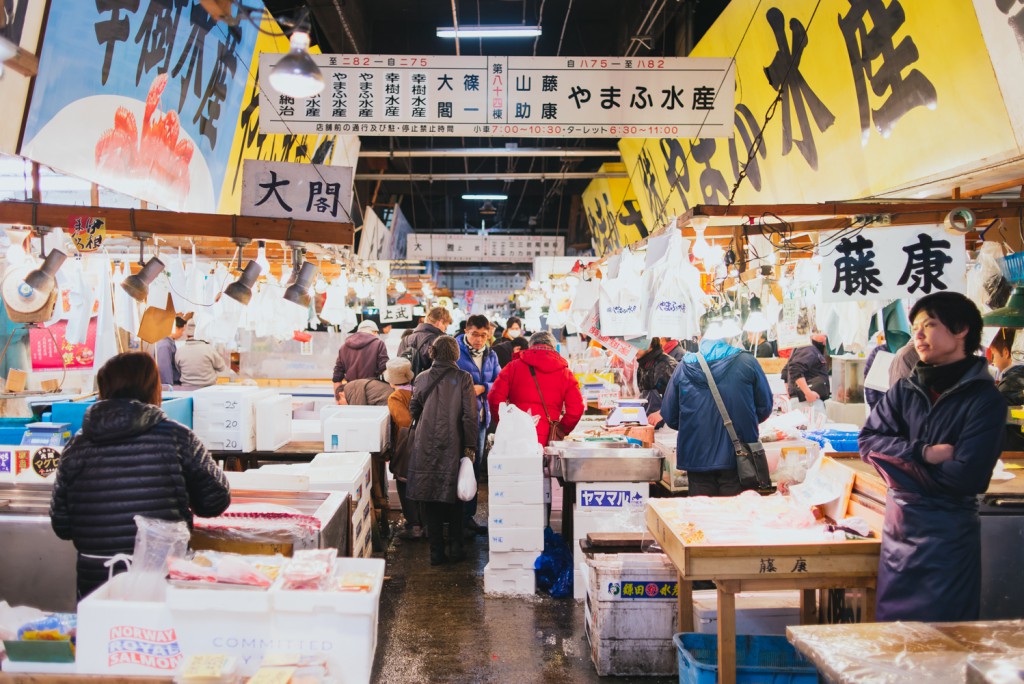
x=178 y=408
x=12 y=429
x=759 y=660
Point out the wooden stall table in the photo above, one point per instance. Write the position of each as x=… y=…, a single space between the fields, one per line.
x=767 y=566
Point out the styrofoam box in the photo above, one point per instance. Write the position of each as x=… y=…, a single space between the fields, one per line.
x=585 y=521
x=516 y=539
x=757 y=612
x=503 y=516
x=519 y=467
x=615 y=577
x=231 y=620
x=579 y=572
x=307 y=430
x=625 y=657
x=273 y=422
x=506 y=560
x=224 y=416
x=639 y=620
x=341 y=625
x=611 y=495
x=351 y=478
x=126 y=637
x=509 y=581
x=355 y=428
x=344 y=458
x=515 y=490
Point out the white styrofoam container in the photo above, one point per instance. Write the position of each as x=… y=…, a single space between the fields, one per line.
x=117 y=637
x=519 y=467
x=509 y=581
x=757 y=612
x=611 y=495
x=516 y=539
x=633 y=578
x=585 y=520
x=224 y=416
x=307 y=430
x=231 y=620
x=265 y=480
x=273 y=422
x=352 y=478
x=623 y=620
x=505 y=560
x=629 y=657
x=341 y=625
x=361 y=459
x=579 y=572
x=515 y=490
x=355 y=428
x=503 y=516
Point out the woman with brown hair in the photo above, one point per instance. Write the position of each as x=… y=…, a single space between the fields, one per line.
x=129 y=459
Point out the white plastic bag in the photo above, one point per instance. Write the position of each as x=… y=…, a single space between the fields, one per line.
x=467 y=480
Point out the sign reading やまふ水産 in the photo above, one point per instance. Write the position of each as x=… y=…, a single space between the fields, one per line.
x=612 y=97
x=891 y=263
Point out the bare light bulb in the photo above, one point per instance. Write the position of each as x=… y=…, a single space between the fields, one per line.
x=296 y=74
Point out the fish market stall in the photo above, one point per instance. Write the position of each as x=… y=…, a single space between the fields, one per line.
x=754 y=543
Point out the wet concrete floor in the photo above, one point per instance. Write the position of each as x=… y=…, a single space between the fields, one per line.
x=436 y=625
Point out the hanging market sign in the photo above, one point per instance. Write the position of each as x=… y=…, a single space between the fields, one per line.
x=864 y=88
x=613 y=211
x=396 y=313
x=891 y=263
x=590 y=326
x=298 y=191
x=490 y=248
x=49 y=348
x=88 y=232
x=534 y=97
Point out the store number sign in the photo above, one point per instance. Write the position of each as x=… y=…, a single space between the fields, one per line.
x=535 y=97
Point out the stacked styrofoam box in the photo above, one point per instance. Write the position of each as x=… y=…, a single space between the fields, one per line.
x=757 y=612
x=224 y=416
x=355 y=428
x=630 y=610
x=515 y=519
x=603 y=507
x=273 y=422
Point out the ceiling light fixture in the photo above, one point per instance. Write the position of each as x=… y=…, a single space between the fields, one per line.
x=512 y=31
x=241 y=289
x=137 y=286
x=296 y=74
x=298 y=292
x=43 y=279
x=484 y=198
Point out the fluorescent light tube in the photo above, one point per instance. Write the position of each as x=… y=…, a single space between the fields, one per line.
x=489 y=31
x=499 y=198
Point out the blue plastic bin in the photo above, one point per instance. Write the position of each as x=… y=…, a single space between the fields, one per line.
x=759 y=660
x=179 y=409
x=12 y=429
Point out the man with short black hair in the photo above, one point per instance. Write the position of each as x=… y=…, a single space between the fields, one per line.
x=164 y=352
x=416 y=345
x=935 y=438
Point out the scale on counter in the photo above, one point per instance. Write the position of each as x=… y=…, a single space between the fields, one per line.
x=628 y=411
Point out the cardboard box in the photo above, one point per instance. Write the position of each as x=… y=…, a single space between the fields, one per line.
x=16 y=380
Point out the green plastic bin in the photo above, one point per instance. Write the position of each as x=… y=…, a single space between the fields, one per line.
x=759 y=660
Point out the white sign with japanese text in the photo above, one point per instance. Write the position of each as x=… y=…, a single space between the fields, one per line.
x=611 y=97
x=624 y=350
x=891 y=263
x=490 y=248
x=396 y=313
x=309 y=192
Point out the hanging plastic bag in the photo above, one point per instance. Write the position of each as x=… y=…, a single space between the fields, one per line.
x=554 y=566
x=467 y=480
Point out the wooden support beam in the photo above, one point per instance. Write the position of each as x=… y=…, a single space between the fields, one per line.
x=995 y=188
x=24 y=62
x=170 y=223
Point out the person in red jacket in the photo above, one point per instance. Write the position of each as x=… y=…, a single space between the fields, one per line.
x=515 y=384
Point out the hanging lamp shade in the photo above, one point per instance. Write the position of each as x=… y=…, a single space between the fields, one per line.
x=138 y=285
x=1011 y=315
x=298 y=292
x=241 y=289
x=43 y=279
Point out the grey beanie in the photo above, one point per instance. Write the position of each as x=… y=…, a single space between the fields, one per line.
x=543 y=337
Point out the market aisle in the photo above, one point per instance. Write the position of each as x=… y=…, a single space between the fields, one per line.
x=436 y=625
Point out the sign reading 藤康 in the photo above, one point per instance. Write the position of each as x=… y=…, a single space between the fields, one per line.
x=533 y=97
x=891 y=263
x=293 y=190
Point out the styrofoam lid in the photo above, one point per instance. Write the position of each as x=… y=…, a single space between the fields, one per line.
x=339 y=458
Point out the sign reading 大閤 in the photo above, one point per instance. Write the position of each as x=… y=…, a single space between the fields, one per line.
x=612 y=97
x=293 y=190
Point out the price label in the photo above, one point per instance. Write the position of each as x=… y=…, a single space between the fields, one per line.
x=607 y=399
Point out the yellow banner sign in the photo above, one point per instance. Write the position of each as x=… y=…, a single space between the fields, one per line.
x=612 y=211
x=876 y=97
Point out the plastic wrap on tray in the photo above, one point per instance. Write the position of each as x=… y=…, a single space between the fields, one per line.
x=226 y=568
x=309 y=570
x=903 y=652
x=262 y=524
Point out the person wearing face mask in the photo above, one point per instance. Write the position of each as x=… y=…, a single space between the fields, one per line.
x=477 y=359
x=504 y=348
x=934 y=438
x=806 y=372
x=1009 y=381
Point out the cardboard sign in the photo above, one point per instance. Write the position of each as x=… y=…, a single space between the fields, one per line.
x=88 y=232
x=156 y=323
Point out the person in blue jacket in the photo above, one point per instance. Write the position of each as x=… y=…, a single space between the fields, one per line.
x=703 y=447
x=480 y=361
x=934 y=438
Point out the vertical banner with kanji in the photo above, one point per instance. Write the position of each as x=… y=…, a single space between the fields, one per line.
x=613 y=211
x=891 y=263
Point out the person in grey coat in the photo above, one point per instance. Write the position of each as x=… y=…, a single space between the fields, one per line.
x=445 y=410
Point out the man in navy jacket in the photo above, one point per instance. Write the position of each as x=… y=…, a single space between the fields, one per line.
x=477 y=359
x=703 y=447
x=935 y=438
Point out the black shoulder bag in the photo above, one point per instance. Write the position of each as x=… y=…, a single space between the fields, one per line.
x=751 y=462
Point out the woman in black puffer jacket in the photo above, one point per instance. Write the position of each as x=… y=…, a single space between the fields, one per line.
x=129 y=459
